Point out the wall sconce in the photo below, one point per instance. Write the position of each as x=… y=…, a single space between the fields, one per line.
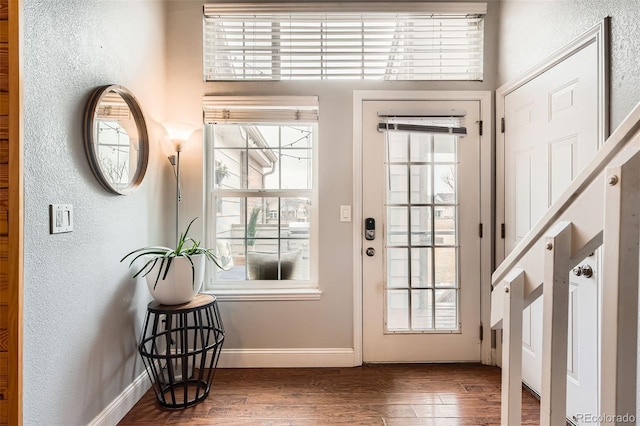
x=175 y=139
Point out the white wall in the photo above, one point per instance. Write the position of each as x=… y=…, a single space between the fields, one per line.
x=82 y=314
x=326 y=323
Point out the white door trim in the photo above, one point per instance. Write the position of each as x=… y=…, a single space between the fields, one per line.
x=486 y=178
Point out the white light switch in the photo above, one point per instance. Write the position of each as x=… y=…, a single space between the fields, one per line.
x=345 y=213
x=60 y=218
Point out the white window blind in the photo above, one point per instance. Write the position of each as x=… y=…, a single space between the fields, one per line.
x=260 y=109
x=402 y=41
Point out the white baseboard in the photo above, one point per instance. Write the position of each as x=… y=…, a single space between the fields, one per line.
x=288 y=357
x=123 y=403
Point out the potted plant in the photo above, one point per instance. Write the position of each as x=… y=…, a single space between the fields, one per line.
x=221 y=172
x=264 y=265
x=174 y=275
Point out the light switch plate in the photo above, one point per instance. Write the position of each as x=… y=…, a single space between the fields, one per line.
x=345 y=213
x=60 y=218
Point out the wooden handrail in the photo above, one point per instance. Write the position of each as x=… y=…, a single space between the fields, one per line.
x=613 y=146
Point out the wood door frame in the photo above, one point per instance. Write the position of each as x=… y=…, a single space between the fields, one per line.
x=598 y=34
x=486 y=209
x=15 y=215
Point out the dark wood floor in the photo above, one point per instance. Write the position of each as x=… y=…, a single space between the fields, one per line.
x=426 y=394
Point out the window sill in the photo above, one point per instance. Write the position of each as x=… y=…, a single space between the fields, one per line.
x=265 y=295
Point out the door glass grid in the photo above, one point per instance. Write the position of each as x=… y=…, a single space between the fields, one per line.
x=421 y=245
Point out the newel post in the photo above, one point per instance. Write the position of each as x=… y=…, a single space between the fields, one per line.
x=620 y=288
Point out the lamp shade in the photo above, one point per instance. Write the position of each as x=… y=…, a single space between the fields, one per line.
x=176 y=136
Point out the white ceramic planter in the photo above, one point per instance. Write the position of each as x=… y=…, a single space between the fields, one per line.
x=177 y=287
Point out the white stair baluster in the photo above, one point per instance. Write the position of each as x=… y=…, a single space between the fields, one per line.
x=555 y=322
x=512 y=348
x=620 y=288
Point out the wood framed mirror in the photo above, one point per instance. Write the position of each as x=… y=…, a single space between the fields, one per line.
x=116 y=139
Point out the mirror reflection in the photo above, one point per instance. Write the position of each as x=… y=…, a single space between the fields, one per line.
x=116 y=139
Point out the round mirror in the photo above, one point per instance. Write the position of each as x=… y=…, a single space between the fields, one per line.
x=116 y=139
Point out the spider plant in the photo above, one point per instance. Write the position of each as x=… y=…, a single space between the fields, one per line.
x=187 y=247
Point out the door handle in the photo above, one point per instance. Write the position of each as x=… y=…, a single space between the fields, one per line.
x=370 y=251
x=584 y=270
x=587 y=272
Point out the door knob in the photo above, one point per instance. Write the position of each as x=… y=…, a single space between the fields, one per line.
x=587 y=271
x=370 y=251
x=583 y=270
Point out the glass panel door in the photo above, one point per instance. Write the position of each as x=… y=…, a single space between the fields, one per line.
x=421 y=267
x=421 y=247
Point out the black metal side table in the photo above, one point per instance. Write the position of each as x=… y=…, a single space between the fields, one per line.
x=180 y=347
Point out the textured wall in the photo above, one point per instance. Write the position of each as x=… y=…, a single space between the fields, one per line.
x=81 y=312
x=326 y=323
x=531 y=30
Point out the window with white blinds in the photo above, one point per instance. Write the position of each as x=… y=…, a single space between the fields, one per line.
x=401 y=41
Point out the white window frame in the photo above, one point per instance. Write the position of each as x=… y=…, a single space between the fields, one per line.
x=281 y=110
x=261 y=41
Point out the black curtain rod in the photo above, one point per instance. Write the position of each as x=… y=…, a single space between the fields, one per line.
x=422 y=116
x=422 y=128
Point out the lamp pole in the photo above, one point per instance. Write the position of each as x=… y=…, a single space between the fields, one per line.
x=175 y=162
x=178 y=195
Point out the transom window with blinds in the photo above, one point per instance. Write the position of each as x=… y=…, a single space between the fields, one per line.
x=363 y=41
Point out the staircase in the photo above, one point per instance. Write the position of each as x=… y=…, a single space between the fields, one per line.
x=601 y=208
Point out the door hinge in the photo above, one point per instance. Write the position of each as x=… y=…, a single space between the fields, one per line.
x=480 y=230
x=502 y=125
x=480 y=127
x=481 y=332
x=502 y=230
